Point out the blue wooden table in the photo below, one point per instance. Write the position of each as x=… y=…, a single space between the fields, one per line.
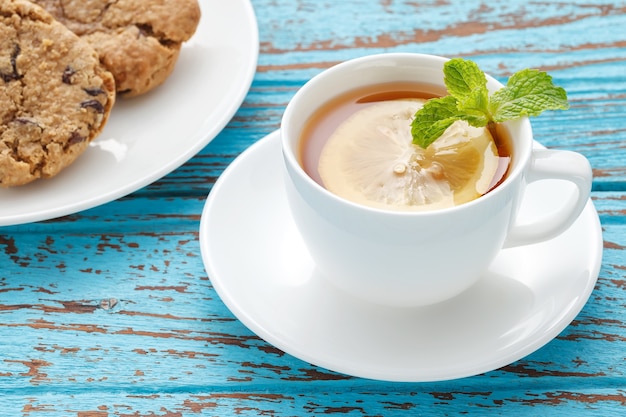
x=109 y=311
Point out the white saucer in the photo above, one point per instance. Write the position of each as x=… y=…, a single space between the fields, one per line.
x=261 y=270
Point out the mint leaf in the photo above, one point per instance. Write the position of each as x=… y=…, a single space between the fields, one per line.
x=527 y=93
x=433 y=119
x=463 y=78
x=474 y=108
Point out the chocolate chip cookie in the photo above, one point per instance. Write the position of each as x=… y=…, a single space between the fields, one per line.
x=139 y=41
x=55 y=95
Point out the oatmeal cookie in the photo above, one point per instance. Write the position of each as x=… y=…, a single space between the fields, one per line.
x=138 y=40
x=55 y=95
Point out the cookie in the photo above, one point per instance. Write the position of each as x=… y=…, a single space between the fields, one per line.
x=139 y=41
x=55 y=95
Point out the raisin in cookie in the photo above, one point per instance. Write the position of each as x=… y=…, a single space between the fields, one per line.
x=55 y=95
x=139 y=41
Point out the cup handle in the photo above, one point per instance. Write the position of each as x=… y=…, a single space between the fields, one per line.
x=561 y=165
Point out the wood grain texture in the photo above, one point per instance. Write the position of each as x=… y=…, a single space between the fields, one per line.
x=109 y=312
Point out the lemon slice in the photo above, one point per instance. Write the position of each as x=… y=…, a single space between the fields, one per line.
x=371 y=159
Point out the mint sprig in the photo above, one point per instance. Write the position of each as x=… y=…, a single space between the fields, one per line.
x=528 y=92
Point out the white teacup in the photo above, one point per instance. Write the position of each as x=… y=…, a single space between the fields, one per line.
x=417 y=258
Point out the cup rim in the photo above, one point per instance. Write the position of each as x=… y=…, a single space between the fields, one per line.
x=521 y=156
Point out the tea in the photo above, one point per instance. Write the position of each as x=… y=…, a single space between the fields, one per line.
x=354 y=105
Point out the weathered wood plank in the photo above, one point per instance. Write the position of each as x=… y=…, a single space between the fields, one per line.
x=128 y=299
x=412 y=401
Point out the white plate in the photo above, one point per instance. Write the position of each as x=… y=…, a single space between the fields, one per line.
x=149 y=136
x=261 y=270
